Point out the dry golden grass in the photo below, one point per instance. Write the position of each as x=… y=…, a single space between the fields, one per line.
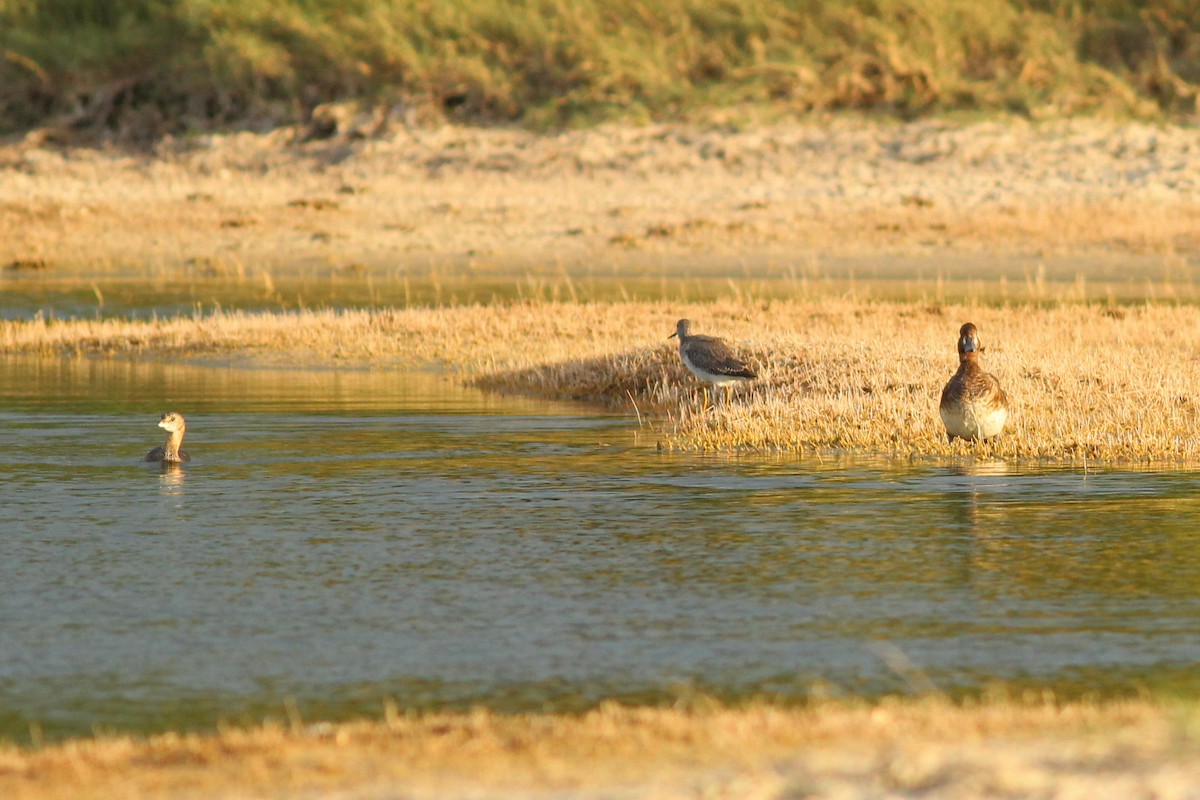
x=895 y=749
x=932 y=748
x=1085 y=382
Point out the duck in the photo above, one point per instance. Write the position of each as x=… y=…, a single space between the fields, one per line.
x=175 y=426
x=973 y=405
x=709 y=358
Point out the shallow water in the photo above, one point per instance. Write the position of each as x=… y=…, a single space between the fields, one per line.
x=341 y=538
x=1127 y=279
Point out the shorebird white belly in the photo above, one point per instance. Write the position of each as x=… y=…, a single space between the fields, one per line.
x=711 y=377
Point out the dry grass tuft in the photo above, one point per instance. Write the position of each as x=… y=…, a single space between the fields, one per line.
x=928 y=747
x=1085 y=382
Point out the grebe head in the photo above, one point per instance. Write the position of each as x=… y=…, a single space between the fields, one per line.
x=172 y=421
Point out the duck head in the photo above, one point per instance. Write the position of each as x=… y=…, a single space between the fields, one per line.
x=968 y=339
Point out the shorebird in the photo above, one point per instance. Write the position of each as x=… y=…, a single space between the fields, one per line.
x=973 y=405
x=709 y=358
x=172 y=422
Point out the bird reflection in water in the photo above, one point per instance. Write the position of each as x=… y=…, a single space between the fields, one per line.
x=970 y=508
x=170 y=478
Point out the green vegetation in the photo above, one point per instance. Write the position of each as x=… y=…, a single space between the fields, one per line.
x=141 y=68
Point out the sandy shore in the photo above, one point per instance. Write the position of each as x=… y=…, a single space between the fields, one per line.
x=821 y=198
x=926 y=749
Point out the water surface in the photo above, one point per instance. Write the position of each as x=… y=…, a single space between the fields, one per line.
x=948 y=278
x=341 y=538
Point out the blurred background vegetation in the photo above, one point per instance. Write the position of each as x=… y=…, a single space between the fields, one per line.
x=139 y=69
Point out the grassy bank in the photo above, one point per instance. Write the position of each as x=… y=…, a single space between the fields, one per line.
x=1086 y=383
x=141 y=68
x=929 y=748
